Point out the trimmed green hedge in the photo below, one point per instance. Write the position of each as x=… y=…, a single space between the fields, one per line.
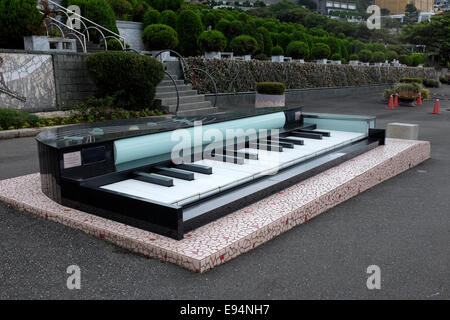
x=298 y=50
x=431 y=83
x=17 y=19
x=274 y=88
x=320 y=51
x=17 y=119
x=242 y=76
x=151 y=17
x=411 y=80
x=244 y=44
x=212 y=41
x=159 y=37
x=445 y=78
x=128 y=77
x=277 y=51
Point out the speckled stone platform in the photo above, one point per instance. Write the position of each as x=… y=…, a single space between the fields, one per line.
x=243 y=230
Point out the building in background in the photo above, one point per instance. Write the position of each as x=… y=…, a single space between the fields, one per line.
x=398 y=6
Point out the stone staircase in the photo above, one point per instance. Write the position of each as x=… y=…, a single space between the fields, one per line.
x=191 y=103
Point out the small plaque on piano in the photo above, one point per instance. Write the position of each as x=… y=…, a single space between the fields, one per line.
x=72 y=159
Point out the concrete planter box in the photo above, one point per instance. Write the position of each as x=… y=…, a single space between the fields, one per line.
x=243 y=58
x=213 y=55
x=322 y=61
x=165 y=56
x=36 y=43
x=299 y=60
x=287 y=59
x=44 y=43
x=277 y=58
x=353 y=62
x=269 y=100
x=335 y=61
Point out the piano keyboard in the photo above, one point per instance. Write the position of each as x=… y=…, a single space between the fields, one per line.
x=227 y=175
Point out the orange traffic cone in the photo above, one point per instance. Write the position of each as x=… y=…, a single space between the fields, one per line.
x=391 y=103
x=419 y=99
x=436 y=109
x=396 y=100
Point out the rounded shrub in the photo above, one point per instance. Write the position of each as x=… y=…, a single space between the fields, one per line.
x=405 y=59
x=189 y=27
x=120 y=7
x=297 y=50
x=159 y=37
x=378 y=56
x=365 y=55
x=431 y=83
x=18 y=18
x=445 y=78
x=320 y=51
x=411 y=80
x=335 y=56
x=391 y=55
x=274 y=88
x=267 y=40
x=277 y=51
x=353 y=56
x=131 y=78
x=139 y=9
x=151 y=17
x=417 y=58
x=169 y=17
x=99 y=11
x=244 y=45
x=210 y=41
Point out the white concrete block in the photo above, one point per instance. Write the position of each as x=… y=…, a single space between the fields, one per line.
x=399 y=130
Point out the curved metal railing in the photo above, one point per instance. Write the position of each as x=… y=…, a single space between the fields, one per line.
x=210 y=78
x=180 y=57
x=86 y=26
x=59 y=25
x=176 y=89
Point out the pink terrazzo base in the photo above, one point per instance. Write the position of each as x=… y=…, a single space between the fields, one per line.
x=243 y=230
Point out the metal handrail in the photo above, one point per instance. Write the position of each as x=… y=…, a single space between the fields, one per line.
x=86 y=19
x=56 y=22
x=176 y=89
x=182 y=61
x=209 y=76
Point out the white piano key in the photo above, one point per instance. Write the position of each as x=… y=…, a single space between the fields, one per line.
x=227 y=175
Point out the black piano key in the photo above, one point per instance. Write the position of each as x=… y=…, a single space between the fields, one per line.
x=241 y=154
x=293 y=141
x=225 y=158
x=175 y=173
x=323 y=133
x=268 y=147
x=288 y=145
x=248 y=155
x=154 y=178
x=195 y=168
x=306 y=135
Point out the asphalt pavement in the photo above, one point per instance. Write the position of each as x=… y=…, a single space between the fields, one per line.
x=401 y=225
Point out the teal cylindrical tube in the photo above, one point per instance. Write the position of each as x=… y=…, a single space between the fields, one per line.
x=136 y=148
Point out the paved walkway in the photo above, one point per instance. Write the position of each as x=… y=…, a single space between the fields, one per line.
x=402 y=225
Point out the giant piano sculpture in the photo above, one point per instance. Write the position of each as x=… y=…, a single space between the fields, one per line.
x=170 y=175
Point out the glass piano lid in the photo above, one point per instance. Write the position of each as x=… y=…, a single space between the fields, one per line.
x=88 y=133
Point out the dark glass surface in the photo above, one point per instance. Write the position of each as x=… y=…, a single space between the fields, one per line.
x=88 y=133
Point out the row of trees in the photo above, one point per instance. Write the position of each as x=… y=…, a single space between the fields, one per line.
x=262 y=37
